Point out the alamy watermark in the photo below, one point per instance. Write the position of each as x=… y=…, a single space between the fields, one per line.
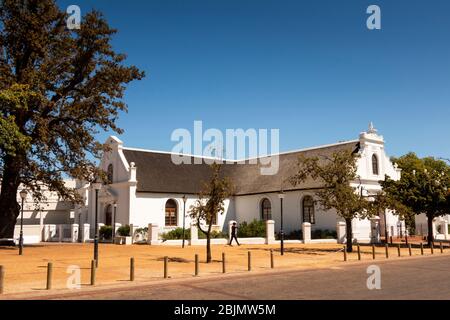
x=74 y=279
x=374 y=20
x=249 y=146
x=74 y=19
x=374 y=279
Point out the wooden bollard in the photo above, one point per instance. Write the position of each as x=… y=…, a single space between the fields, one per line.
x=359 y=252
x=224 y=270
x=345 y=253
x=421 y=248
x=432 y=247
x=373 y=252
x=131 y=269
x=2 y=278
x=410 y=249
x=93 y=273
x=196 y=265
x=387 y=251
x=398 y=250
x=49 y=275
x=249 y=256
x=166 y=267
x=271 y=259
x=442 y=247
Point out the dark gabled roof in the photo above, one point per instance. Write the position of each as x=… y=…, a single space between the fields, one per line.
x=157 y=173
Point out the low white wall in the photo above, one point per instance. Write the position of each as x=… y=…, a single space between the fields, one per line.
x=31 y=234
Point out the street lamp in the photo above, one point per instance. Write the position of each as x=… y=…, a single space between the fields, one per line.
x=97 y=185
x=114 y=223
x=281 y=196
x=184 y=216
x=23 y=195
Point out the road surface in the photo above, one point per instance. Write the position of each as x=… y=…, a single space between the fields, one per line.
x=409 y=278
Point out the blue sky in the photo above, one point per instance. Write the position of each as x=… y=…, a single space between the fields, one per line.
x=310 y=68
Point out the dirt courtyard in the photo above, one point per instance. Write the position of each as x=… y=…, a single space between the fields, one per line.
x=28 y=273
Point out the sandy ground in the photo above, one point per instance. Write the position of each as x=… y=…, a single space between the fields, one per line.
x=28 y=273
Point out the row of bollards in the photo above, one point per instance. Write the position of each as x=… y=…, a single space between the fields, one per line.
x=398 y=250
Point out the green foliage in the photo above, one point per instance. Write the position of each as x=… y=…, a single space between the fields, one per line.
x=142 y=231
x=424 y=187
x=315 y=234
x=323 y=234
x=293 y=235
x=335 y=173
x=214 y=235
x=58 y=89
x=105 y=232
x=256 y=228
x=176 y=234
x=124 y=231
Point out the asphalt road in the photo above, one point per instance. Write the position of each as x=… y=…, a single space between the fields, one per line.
x=416 y=278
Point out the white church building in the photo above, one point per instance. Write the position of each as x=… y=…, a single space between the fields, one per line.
x=146 y=187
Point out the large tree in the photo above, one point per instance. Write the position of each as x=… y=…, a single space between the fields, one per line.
x=424 y=187
x=335 y=173
x=58 y=89
x=210 y=204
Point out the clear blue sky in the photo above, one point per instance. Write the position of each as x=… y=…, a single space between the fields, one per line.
x=310 y=68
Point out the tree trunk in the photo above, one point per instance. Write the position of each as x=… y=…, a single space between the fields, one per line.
x=430 y=237
x=208 y=249
x=349 y=234
x=208 y=243
x=9 y=208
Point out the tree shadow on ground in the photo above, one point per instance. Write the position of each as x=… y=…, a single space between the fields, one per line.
x=175 y=259
x=308 y=251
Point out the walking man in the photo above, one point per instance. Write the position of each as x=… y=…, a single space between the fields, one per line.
x=234 y=234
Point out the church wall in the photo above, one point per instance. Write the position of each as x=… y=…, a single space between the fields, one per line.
x=150 y=208
x=249 y=208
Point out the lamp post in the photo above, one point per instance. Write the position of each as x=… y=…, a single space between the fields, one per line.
x=97 y=185
x=281 y=196
x=114 y=223
x=23 y=195
x=184 y=217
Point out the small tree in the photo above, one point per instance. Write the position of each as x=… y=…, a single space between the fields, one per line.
x=423 y=188
x=335 y=172
x=210 y=203
x=382 y=202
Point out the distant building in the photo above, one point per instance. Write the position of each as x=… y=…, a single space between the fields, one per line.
x=52 y=210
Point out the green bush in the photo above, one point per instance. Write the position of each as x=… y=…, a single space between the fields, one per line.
x=105 y=232
x=214 y=235
x=256 y=228
x=323 y=234
x=294 y=235
x=124 y=231
x=176 y=234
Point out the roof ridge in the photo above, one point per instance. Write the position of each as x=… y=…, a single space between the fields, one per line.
x=245 y=159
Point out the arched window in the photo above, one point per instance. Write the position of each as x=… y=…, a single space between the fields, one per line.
x=266 y=209
x=308 y=210
x=171 y=213
x=375 y=164
x=110 y=173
